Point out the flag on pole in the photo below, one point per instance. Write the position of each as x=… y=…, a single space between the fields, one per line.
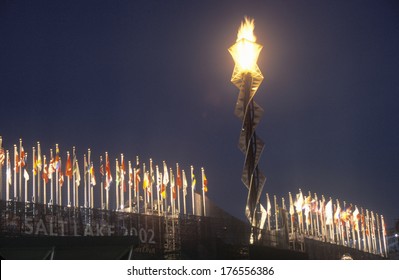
x=39 y=158
x=26 y=175
x=92 y=175
x=178 y=177
x=102 y=173
x=137 y=174
x=57 y=162
x=184 y=184
x=2 y=156
x=172 y=184
x=193 y=180
x=108 y=177
x=123 y=173
x=146 y=181
x=337 y=213
x=45 y=171
x=16 y=160
x=165 y=180
x=118 y=175
x=76 y=171
x=61 y=178
x=299 y=202
x=205 y=183
x=68 y=167
x=131 y=176
x=22 y=157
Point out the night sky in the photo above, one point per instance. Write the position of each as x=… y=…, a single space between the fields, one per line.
x=152 y=78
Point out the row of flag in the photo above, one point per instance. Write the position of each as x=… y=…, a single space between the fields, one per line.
x=137 y=187
x=331 y=221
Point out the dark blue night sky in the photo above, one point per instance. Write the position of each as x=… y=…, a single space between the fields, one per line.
x=152 y=78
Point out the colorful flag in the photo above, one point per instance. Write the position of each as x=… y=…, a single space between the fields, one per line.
x=108 y=177
x=39 y=158
x=2 y=156
x=337 y=214
x=16 y=161
x=131 y=176
x=178 y=177
x=45 y=171
x=355 y=219
x=22 y=157
x=146 y=181
x=299 y=202
x=137 y=174
x=268 y=205
x=193 y=180
x=57 y=162
x=92 y=175
x=68 y=167
x=123 y=173
x=118 y=175
x=205 y=183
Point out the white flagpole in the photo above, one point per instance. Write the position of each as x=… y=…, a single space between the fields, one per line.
x=73 y=177
x=117 y=184
x=91 y=186
x=1 y=169
x=192 y=188
x=184 y=192
x=85 y=181
x=69 y=182
x=106 y=182
x=8 y=168
x=268 y=211
x=275 y=211
x=15 y=171
x=56 y=177
x=178 y=187
x=172 y=206
x=88 y=178
x=144 y=190
x=33 y=173
x=39 y=166
x=203 y=190
x=102 y=167
x=137 y=185
x=44 y=182
x=152 y=186
x=20 y=171
x=363 y=223
x=379 y=234
x=122 y=183
x=25 y=185
x=291 y=214
x=384 y=236
x=130 y=187
x=373 y=231
x=158 y=189
x=51 y=182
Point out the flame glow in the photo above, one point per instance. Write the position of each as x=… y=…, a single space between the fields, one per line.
x=246 y=51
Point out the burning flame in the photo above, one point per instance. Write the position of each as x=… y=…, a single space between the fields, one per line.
x=246 y=51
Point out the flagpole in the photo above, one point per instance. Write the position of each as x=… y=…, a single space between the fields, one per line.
x=268 y=211
x=137 y=184
x=69 y=186
x=171 y=191
x=184 y=192
x=20 y=171
x=203 y=189
x=158 y=189
x=122 y=186
x=1 y=168
x=34 y=170
x=39 y=167
x=8 y=172
x=91 y=184
x=275 y=212
x=192 y=188
x=44 y=182
x=88 y=179
x=56 y=176
x=51 y=183
x=26 y=184
x=130 y=187
x=144 y=190
x=107 y=182
x=178 y=187
x=15 y=171
x=102 y=182
x=152 y=186
x=117 y=182
x=74 y=176
x=384 y=236
x=85 y=181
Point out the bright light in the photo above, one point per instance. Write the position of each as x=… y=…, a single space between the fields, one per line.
x=246 y=51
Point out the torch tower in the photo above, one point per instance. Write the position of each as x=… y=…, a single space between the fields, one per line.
x=247 y=77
